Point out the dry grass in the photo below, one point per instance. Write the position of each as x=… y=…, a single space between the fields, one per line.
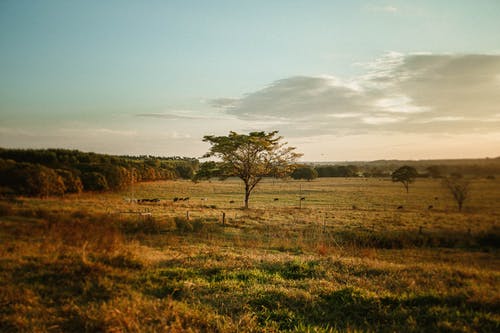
x=94 y=263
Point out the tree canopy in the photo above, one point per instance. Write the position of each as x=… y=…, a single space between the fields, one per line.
x=251 y=157
x=305 y=172
x=44 y=172
x=405 y=175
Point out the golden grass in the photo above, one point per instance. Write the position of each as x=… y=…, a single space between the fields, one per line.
x=93 y=263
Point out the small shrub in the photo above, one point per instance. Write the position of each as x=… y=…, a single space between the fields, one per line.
x=197 y=225
x=142 y=224
x=183 y=225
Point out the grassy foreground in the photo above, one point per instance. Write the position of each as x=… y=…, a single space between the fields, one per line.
x=344 y=259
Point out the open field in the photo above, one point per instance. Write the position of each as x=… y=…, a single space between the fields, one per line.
x=344 y=259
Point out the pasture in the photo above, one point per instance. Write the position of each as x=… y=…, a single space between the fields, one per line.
x=354 y=255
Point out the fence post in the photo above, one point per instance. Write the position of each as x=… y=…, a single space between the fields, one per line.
x=223 y=218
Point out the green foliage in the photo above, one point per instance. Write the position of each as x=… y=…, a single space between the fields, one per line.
x=304 y=172
x=43 y=172
x=337 y=171
x=405 y=175
x=94 y=181
x=207 y=171
x=252 y=157
x=30 y=179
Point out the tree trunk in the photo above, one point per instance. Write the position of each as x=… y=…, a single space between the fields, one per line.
x=247 y=195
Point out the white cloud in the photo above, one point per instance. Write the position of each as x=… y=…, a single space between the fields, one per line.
x=399 y=93
x=399 y=104
x=345 y=115
x=374 y=120
x=441 y=119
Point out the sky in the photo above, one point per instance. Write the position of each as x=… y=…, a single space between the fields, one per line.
x=339 y=80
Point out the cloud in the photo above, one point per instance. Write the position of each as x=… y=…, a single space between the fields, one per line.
x=385 y=9
x=185 y=115
x=398 y=93
x=168 y=116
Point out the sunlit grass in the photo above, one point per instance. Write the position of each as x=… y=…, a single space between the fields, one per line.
x=100 y=263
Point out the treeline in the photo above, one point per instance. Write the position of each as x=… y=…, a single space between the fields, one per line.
x=44 y=172
x=488 y=168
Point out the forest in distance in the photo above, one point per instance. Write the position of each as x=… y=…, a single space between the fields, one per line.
x=44 y=172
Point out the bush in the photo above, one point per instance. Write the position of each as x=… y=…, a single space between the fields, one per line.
x=141 y=224
x=183 y=225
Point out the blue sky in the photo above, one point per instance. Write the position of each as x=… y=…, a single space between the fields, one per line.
x=341 y=80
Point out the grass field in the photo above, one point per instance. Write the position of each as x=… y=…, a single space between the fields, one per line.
x=344 y=259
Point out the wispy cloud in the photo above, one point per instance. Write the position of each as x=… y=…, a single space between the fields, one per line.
x=168 y=116
x=385 y=9
x=191 y=115
x=400 y=93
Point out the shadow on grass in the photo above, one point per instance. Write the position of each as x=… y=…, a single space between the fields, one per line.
x=348 y=309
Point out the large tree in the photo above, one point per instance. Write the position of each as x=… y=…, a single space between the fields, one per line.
x=405 y=175
x=251 y=157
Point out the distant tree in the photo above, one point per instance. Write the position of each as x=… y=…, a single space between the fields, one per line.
x=337 y=171
x=435 y=171
x=94 y=181
x=405 y=175
x=208 y=170
x=184 y=170
x=72 y=183
x=304 y=172
x=252 y=157
x=32 y=180
x=459 y=189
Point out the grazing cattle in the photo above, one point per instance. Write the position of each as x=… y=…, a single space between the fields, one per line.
x=176 y=199
x=276 y=199
x=430 y=207
x=149 y=200
x=303 y=198
x=354 y=207
x=231 y=201
x=436 y=198
x=400 y=207
x=186 y=199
